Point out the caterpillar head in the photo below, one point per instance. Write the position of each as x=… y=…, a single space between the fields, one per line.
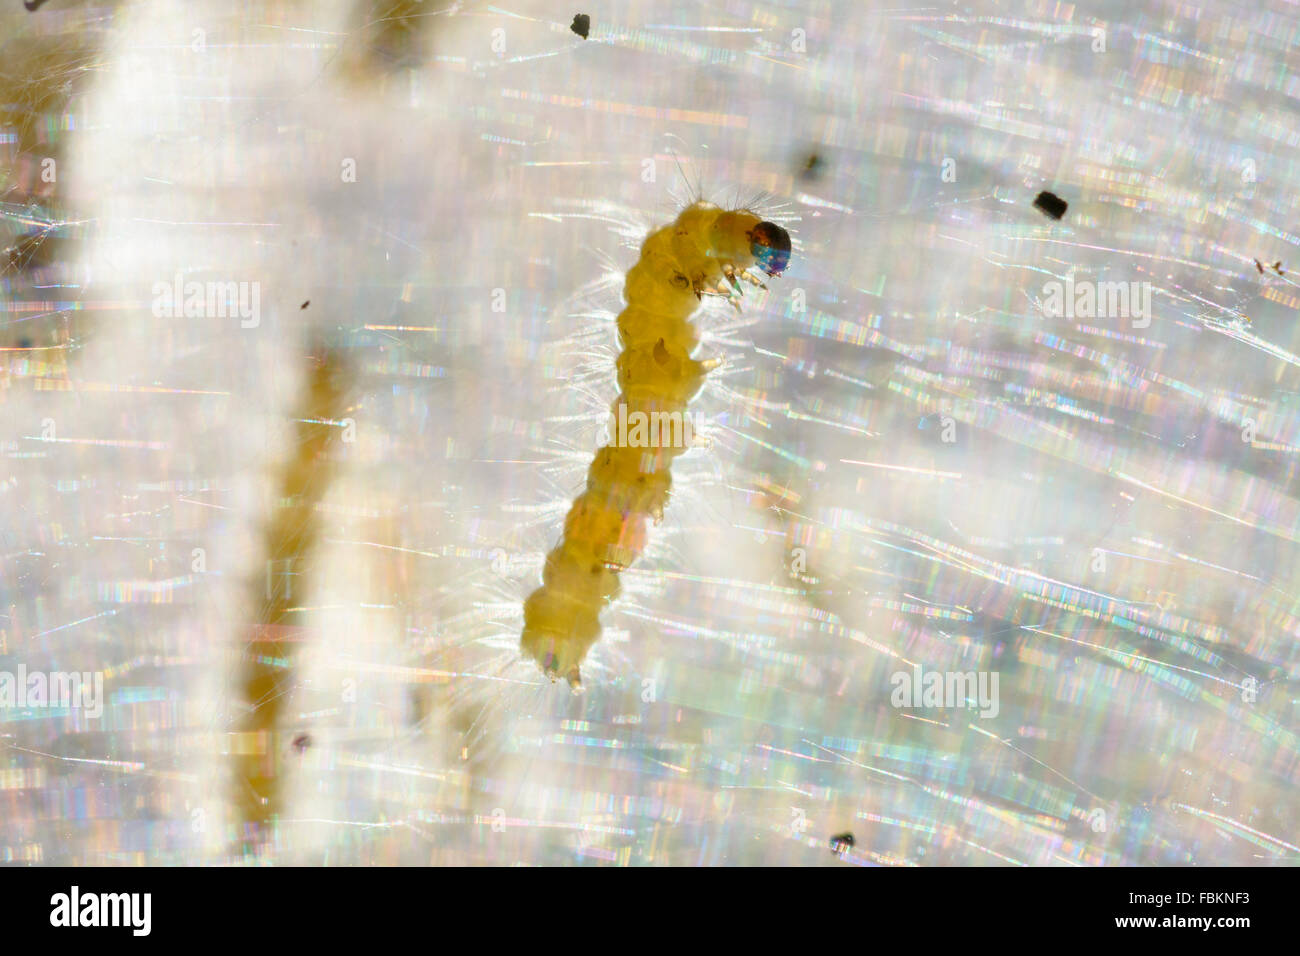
x=770 y=246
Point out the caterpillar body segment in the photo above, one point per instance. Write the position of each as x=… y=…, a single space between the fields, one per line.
x=706 y=250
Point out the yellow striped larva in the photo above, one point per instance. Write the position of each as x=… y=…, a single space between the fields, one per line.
x=707 y=250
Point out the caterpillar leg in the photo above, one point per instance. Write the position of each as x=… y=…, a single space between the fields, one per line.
x=752 y=279
x=729 y=271
x=717 y=287
x=703 y=287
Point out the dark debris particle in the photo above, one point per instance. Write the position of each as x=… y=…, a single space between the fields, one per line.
x=1050 y=204
x=304 y=305
x=581 y=25
x=301 y=743
x=841 y=842
x=812 y=166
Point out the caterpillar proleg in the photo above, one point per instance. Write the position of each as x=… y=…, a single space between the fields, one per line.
x=706 y=250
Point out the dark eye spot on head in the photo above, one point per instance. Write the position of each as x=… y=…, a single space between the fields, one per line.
x=770 y=246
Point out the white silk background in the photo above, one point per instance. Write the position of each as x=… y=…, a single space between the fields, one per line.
x=909 y=462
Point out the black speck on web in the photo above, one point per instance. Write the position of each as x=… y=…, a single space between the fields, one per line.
x=581 y=25
x=304 y=305
x=841 y=842
x=1050 y=204
x=812 y=166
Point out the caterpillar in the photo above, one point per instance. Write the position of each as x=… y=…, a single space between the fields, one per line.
x=707 y=250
